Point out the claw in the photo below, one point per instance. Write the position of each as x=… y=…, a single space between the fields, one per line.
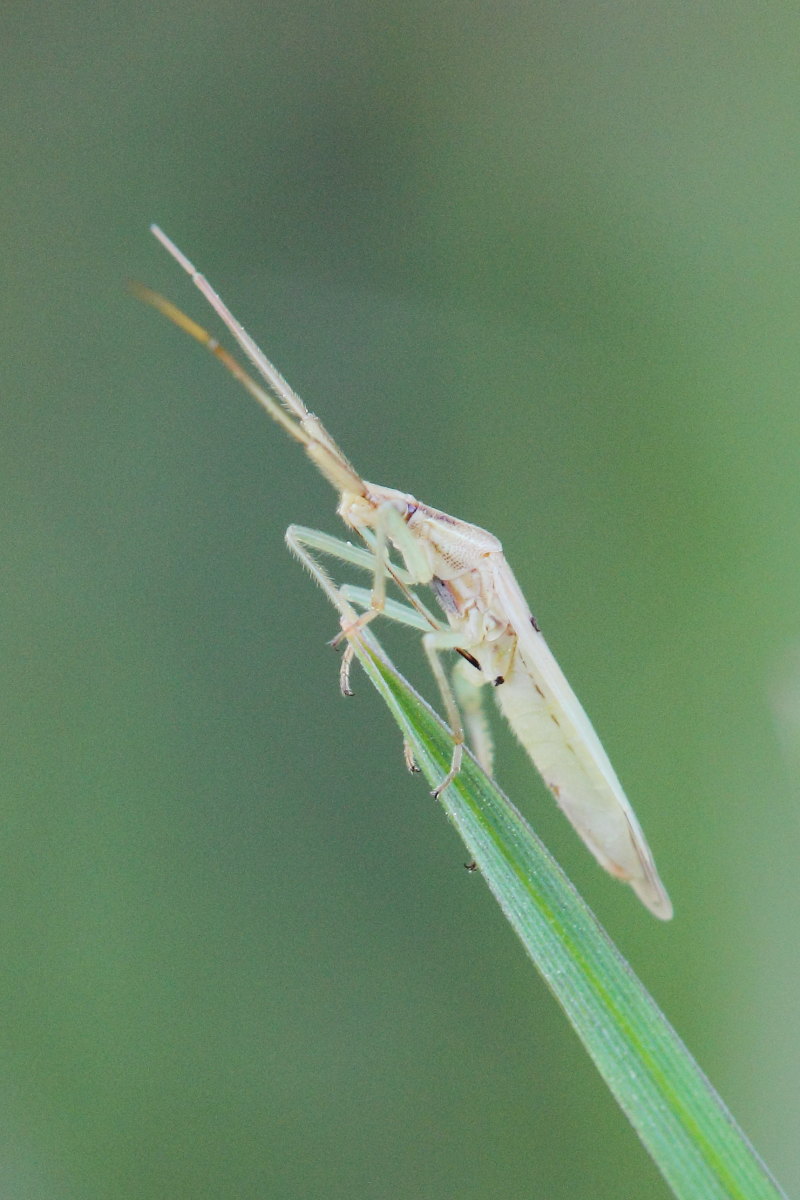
x=408 y=755
x=344 y=670
x=455 y=767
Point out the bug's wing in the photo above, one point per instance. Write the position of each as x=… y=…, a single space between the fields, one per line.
x=548 y=719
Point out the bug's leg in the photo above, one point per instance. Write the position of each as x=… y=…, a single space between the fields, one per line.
x=434 y=642
x=376 y=605
x=344 y=670
x=390 y=525
x=408 y=756
x=402 y=614
x=467 y=687
x=325 y=543
x=303 y=541
x=301 y=545
x=378 y=594
x=297 y=541
x=393 y=610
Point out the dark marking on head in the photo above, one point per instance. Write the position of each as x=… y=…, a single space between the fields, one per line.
x=471 y=866
x=498 y=680
x=473 y=662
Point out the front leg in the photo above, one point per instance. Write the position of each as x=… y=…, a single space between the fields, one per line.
x=302 y=541
x=389 y=529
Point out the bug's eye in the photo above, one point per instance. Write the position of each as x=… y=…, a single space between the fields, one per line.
x=410 y=510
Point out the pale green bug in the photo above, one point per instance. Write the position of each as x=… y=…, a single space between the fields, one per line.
x=488 y=621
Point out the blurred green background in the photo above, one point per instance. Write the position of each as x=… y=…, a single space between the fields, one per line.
x=539 y=265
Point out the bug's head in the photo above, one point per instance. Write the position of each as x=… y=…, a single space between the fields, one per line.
x=360 y=511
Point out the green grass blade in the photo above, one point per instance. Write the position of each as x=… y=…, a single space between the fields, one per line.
x=682 y=1121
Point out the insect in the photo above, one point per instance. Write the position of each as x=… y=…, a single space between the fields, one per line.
x=487 y=619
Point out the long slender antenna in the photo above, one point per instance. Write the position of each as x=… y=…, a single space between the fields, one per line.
x=286 y=394
x=178 y=317
x=281 y=402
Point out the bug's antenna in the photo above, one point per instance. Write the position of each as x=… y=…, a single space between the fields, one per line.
x=201 y=335
x=286 y=394
x=285 y=406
